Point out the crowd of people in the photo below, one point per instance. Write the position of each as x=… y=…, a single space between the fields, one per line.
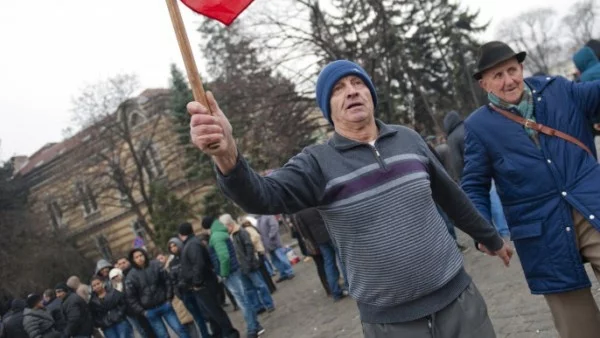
x=184 y=288
x=376 y=204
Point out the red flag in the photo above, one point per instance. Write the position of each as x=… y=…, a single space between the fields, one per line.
x=224 y=11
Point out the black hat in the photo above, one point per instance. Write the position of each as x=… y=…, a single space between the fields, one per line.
x=185 y=229
x=494 y=53
x=207 y=222
x=62 y=287
x=32 y=300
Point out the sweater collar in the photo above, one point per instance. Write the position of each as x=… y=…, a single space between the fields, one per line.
x=342 y=143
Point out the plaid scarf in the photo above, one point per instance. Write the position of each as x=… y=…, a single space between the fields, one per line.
x=524 y=108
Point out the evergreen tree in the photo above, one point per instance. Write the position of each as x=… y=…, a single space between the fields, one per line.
x=198 y=166
x=169 y=212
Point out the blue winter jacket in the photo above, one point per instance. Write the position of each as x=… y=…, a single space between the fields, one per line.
x=540 y=186
x=587 y=63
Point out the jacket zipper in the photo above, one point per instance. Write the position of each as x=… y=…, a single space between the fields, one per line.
x=378 y=157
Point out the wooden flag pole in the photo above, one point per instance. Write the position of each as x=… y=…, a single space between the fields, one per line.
x=188 y=57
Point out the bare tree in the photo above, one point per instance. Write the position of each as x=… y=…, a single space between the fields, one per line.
x=96 y=101
x=125 y=156
x=535 y=31
x=581 y=22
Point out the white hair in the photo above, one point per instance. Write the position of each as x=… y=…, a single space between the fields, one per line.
x=226 y=219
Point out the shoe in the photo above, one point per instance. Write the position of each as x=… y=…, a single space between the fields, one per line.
x=307 y=259
x=271 y=310
x=345 y=293
x=261 y=331
x=252 y=335
x=261 y=311
x=337 y=299
x=283 y=279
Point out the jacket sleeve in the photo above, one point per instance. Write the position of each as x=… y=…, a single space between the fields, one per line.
x=164 y=275
x=99 y=320
x=248 y=247
x=31 y=327
x=220 y=247
x=59 y=319
x=131 y=294
x=121 y=309
x=196 y=256
x=477 y=178
x=587 y=96
x=455 y=203
x=73 y=312
x=298 y=185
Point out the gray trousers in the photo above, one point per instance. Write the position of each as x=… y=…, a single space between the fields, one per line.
x=466 y=317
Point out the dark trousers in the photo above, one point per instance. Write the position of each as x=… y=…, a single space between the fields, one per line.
x=206 y=299
x=320 y=264
x=265 y=273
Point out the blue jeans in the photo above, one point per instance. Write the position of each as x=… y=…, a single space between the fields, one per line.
x=498 y=213
x=119 y=330
x=195 y=311
x=155 y=317
x=236 y=286
x=269 y=266
x=257 y=291
x=282 y=263
x=331 y=269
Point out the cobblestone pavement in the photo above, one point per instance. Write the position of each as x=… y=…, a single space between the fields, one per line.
x=304 y=311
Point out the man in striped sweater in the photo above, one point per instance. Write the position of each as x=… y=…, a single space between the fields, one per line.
x=376 y=186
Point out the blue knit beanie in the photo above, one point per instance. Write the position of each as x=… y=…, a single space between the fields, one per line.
x=331 y=74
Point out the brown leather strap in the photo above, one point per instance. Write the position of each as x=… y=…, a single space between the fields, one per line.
x=540 y=128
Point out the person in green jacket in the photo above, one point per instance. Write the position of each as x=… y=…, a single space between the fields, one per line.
x=226 y=265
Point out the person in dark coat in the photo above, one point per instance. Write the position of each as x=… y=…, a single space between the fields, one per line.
x=260 y=251
x=455 y=131
x=139 y=322
x=76 y=312
x=37 y=320
x=108 y=309
x=53 y=306
x=149 y=292
x=255 y=288
x=13 y=320
x=311 y=220
x=175 y=246
x=313 y=251
x=199 y=283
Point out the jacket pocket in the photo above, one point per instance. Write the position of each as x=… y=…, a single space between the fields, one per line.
x=530 y=246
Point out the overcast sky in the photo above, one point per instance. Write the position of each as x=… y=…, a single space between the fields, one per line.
x=51 y=49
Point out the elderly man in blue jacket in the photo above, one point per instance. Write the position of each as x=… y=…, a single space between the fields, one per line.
x=549 y=184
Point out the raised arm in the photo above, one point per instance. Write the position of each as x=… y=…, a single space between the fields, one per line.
x=296 y=186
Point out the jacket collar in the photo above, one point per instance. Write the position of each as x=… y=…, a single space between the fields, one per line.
x=539 y=83
x=342 y=143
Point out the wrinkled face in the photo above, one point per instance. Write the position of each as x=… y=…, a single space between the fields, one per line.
x=139 y=259
x=351 y=101
x=123 y=264
x=505 y=81
x=173 y=249
x=60 y=294
x=97 y=286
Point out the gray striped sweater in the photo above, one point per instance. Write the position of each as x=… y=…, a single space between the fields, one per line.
x=379 y=205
